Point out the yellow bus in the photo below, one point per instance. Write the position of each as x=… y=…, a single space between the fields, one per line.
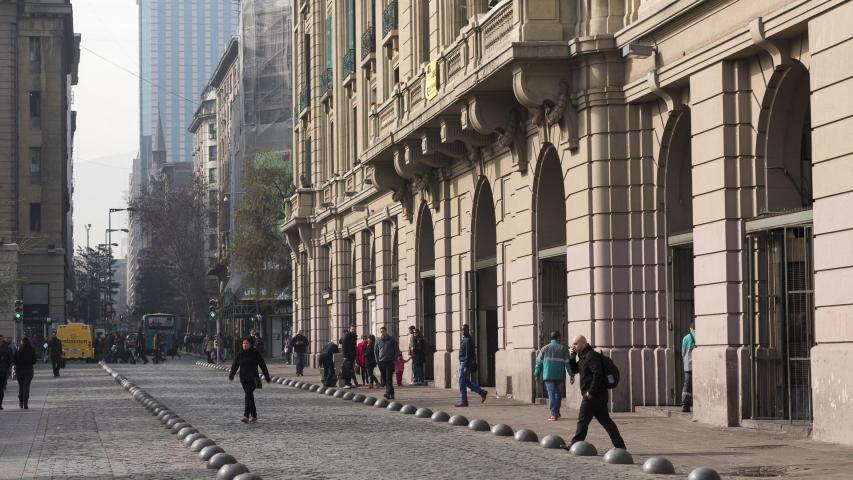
x=76 y=341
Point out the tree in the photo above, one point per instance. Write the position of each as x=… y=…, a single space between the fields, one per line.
x=92 y=284
x=173 y=218
x=258 y=249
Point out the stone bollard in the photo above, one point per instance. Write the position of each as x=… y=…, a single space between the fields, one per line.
x=583 y=449
x=423 y=413
x=182 y=433
x=201 y=443
x=381 y=403
x=192 y=438
x=369 y=401
x=217 y=461
x=479 y=425
x=229 y=471
x=458 y=421
x=440 y=417
x=394 y=407
x=206 y=452
x=553 y=441
x=618 y=456
x=408 y=409
x=248 y=476
x=658 y=466
x=704 y=473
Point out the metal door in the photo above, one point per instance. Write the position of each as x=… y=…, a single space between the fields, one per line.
x=781 y=311
x=552 y=304
x=427 y=324
x=681 y=306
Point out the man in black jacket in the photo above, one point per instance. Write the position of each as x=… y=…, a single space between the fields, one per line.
x=467 y=366
x=54 y=348
x=349 y=342
x=386 y=351
x=586 y=361
x=299 y=343
x=248 y=361
x=326 y=359
x=6 y=359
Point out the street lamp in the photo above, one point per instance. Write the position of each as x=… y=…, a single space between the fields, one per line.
x=110 y=245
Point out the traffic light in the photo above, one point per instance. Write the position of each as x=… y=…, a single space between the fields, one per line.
x=19 y=310
x=212 y=308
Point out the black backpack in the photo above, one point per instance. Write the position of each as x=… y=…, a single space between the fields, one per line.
x=611 y=371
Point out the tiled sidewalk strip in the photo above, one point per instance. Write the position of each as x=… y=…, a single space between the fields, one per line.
x=214 y=455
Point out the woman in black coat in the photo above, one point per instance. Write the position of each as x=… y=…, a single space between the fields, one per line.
x=25 y=358
x=248 y=361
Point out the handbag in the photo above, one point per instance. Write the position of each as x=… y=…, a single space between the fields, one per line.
x=258 y=383
x=62 y=363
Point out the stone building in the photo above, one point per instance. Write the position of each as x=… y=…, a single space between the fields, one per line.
x=601 y=167
x=39 y=53
x=205 y=166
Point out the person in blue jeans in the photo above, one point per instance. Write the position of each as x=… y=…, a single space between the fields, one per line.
x=552 y=365
x=467 y=366
x=299 y=344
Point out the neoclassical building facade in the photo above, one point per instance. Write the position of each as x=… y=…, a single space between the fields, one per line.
x=613 y=168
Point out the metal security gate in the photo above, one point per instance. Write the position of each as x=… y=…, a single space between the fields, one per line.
x=553 y=304
x=781 y=310
x=681 y=307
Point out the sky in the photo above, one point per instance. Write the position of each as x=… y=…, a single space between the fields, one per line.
x=106 y=99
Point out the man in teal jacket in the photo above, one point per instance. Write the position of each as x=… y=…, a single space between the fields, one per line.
x=688 y=344
x=552 y=364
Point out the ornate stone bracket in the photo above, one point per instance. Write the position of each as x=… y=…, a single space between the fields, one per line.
x=306 y=235
x=292 y=239
x=433 y=146
x=427 y=186
x=406 y=157
x=496 y=114
x=451 y=131
x=672 y=98
x=543 y=90
x=775 y=48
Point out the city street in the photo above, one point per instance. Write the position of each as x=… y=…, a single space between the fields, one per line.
x=84 y=425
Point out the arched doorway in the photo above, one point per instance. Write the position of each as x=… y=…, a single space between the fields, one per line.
x=426 y=283
x=550 y=229
x=678 y=225
x=549 y=205
x=482 y=285
x=779 y=253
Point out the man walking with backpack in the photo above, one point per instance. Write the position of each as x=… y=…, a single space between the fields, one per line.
x=594 y=384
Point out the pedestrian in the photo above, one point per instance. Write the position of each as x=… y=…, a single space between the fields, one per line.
x=54 y=347
x=6 y=360
x=349 y=350
x=25 y=358
x=286 y=348
x=688 y=344
x=468 y=367
x=370 y=362
x=589 y=364
x=300 y=348
x=326 y=359
x=386 y=350
x=157 y=344
x=399 y=368
x=209 y=348
x=140 y=346
x=217 y=349
x=248 y=361
x=552 y=365
x=417 y=353
x=360 y=359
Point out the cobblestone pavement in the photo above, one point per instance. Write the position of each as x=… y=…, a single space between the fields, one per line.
x=83 y=425
x=305 y=435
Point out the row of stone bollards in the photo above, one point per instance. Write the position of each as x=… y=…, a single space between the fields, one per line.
x=614 y=456
x=212 y=454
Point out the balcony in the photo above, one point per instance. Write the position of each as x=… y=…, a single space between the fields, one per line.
x=390 y=18
x=304 y=102
x=349 y=71
x=368 y=49
x=326 y=85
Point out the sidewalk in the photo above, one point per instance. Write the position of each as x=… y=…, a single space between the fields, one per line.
x=734 y=452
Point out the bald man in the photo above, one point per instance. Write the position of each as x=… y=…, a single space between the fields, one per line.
x=586 y=361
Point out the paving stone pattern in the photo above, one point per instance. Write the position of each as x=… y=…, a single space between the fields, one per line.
x=83 y=425
x=305 y=435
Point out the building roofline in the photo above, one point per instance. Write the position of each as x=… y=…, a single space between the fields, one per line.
x=225 y=62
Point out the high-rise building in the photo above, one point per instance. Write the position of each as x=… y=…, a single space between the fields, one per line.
x=179 y=46
x=180 y=43
x=619 y=170
x=39 y=53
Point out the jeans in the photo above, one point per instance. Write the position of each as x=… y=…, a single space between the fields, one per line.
x=687 y=390
x=299 y=359
x=24 y=388
x=249 y=409
x=369 y=376
x=387 y=371
x=465 y=384
x=418 y=370
x=555 y=395
x=328 y=371
x=55 y=363
x=597 y=408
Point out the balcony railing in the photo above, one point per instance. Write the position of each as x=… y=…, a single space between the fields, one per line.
x=349 y=62
x=368 y=41
x=389 y=18
x=326 y=81
x=304 y=99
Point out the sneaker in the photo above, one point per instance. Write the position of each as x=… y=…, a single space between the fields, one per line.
x=461 y=405
x=483 y=396
x=253 y=419
x=244 y=419
x=553 y=419
x=347 y=387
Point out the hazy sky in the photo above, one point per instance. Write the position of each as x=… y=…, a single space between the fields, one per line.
x=107 y=103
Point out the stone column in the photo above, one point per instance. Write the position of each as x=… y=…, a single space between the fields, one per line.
x=719 y=128
x=342 y=278
x=445 y=306
x=384 y=248
x=318 y=311
x=832 y=162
